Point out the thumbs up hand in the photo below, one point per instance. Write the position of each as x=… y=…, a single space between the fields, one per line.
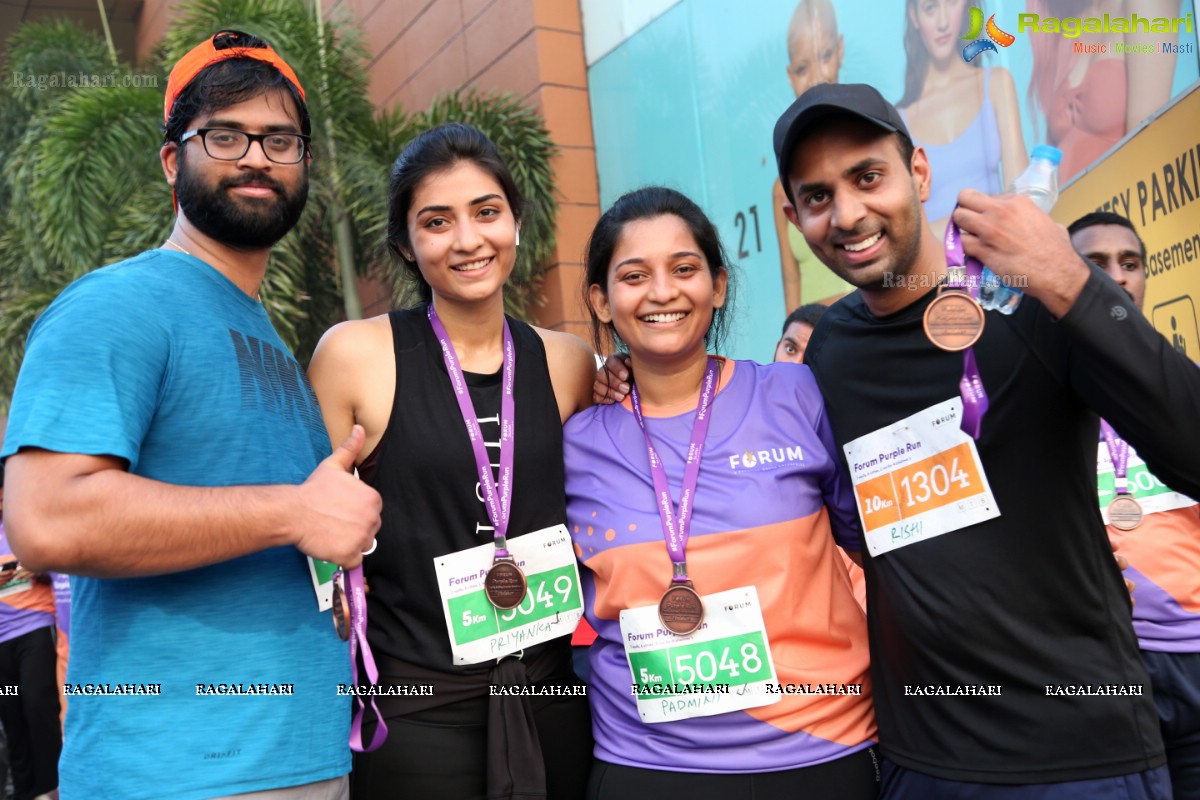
x=337 y=514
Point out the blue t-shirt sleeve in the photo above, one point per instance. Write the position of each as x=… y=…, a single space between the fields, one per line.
x=94 y=365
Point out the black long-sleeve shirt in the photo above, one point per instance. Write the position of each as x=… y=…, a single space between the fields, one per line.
x=1033 y=598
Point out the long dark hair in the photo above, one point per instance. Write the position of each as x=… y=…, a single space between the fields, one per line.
x=916 y=59
x=437 y=150
x=647 y=203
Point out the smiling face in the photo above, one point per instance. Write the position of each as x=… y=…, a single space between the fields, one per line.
x=1117 y=251
x=250 y=202
x=940 y=23
x=856 y=202
x=463 y=233
x=660 y=292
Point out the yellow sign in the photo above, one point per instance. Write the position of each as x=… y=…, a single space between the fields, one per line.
x=1153 y=179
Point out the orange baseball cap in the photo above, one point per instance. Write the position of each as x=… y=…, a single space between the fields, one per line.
x=221 y=46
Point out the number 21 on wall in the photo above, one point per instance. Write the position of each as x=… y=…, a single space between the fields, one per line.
x=741 y=223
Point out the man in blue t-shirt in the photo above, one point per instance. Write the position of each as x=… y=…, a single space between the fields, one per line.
x=166 y=450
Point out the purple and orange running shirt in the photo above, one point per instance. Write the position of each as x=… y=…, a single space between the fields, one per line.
x=1164 y=558
x=25 y=605
x=770 y=503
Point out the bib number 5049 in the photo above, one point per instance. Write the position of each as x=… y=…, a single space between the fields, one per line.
x=562 y=587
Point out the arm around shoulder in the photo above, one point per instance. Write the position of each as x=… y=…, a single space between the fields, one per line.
x=837 y=490
x=572 y=366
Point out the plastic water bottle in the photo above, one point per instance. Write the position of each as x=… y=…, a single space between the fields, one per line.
x=1039 y=182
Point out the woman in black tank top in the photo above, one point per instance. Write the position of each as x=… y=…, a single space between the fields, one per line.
x=461 y=725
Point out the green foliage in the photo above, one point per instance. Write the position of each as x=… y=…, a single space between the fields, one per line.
x=51 y=48
x=81 y=183
x=73 y=180
x=47 y=49
x=70 y=160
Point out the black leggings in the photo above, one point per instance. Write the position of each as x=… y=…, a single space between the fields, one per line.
x=854 y=777
x=30 y=718
x=441 y=753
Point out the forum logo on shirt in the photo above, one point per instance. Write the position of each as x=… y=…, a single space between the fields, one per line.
x=995 y=36
x=764 y=459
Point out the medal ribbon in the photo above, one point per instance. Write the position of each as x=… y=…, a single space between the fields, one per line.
x=1118 y=451
x=497 y=499
x=676 y=528
x=356 y=596
x=966 y=274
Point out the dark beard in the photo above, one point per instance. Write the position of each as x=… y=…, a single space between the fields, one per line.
x=245 y=223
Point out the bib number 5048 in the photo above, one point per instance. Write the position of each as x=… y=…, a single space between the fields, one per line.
x=706 y=666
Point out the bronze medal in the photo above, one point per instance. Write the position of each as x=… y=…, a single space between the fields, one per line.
x=954 y=320
x=341 y=613
x=680 y=609
x=1124 y=513
x=505 y=584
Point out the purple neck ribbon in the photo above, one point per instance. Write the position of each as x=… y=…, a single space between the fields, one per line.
x=499 y=501
x=677 y=528
x=356 y=596
x=1118 y=450
x=966 y=274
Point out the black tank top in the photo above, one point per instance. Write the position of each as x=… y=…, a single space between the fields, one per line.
x=425 y=471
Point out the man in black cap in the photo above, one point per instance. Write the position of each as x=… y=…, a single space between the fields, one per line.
x=1004 y=664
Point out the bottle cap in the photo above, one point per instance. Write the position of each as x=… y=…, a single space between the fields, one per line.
x=1051 y=154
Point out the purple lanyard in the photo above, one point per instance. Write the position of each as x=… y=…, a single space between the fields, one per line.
x=966 y=273
x=357 y=598
x=676 y=531
x=1118 y=451
x=497 y=502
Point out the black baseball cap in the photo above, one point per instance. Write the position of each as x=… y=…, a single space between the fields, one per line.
x=823 y=100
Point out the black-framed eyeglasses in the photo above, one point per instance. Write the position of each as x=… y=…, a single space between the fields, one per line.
x=227 y=144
